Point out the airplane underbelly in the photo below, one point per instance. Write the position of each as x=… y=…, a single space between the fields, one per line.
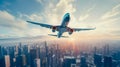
x=63 y=30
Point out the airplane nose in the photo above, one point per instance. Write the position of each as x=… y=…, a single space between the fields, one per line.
x=67 y=13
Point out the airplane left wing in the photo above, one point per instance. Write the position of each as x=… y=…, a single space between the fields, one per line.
x=43 y=25
x=83 y=29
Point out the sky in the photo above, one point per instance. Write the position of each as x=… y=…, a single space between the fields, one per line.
x=102 y=14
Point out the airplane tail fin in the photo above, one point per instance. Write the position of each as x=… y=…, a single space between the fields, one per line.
x=56 y=35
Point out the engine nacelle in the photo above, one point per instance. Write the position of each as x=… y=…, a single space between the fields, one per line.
x=54 y=28
x=70 y=31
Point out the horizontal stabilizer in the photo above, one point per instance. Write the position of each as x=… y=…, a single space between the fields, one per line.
x=56 y=35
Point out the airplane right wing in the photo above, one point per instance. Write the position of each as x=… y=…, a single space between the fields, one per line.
x=83 y=29
x=43 y=25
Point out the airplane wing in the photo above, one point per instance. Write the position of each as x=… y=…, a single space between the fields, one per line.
x=43 y=25
x=83 y=29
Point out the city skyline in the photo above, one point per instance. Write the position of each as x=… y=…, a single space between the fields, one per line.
x=59 y=55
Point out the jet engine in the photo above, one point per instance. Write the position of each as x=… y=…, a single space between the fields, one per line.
x=54 y=28
x=70 y=31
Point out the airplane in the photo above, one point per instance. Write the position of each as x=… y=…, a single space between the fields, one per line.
x=61 y=28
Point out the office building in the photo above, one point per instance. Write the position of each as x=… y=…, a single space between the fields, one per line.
x=69 y=61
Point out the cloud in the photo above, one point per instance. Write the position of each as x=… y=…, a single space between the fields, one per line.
x=65 y=6
x=112 y=13
x=86 y=15
x=53 y=12
x=8 y=20
x=83 y=17
x=16 y=27
x=111 y=18
x=40 y=1
x=58 y=10
x=109 y=22
x=32 y=17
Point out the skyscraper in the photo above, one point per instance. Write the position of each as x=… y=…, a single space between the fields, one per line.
x=0 y=51
x=33 y=55
x=37 y=62
x=19 y=61
x=7 y=61
x=107 y=61
x=106 y=50
x=2 y=61
x=12 y=55
x=98 y=60
x=25 y=49
x=24 y=63
x=83 y=62
x=38 y=51
x=20 y=49
x=47 y=56
x=69 y=61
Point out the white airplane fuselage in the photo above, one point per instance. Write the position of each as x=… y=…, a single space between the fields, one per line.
x=63 y=27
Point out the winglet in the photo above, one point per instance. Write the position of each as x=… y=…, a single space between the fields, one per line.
x=94 y=28
x=28 y=21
